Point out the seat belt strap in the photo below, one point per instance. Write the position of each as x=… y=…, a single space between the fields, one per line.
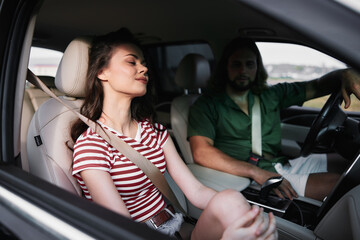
x=150 y=170
x=256 y=140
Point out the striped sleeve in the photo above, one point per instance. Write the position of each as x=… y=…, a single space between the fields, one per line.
x=162 y=133
x=91 y=152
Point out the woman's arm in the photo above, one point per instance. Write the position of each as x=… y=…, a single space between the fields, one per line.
x=103 y=191
x=198 y=194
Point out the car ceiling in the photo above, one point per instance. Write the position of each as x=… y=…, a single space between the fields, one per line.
x=152 y=21
x=316 y=23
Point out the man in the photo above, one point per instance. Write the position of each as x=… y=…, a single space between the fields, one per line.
x=219 y=127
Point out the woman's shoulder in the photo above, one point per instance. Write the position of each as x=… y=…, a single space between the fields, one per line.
x=147 y=124
x=89 y=137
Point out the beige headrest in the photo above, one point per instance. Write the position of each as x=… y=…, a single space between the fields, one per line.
x=193 y=72
x=71 y=74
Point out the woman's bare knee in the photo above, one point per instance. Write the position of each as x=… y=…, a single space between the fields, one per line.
x=229 y=205
x=223 y=209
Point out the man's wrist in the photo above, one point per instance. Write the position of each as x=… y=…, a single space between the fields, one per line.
x=254 y=171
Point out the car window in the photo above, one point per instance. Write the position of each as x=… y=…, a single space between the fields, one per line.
x=354 y=5
x=44 y=61
x=291 y=62
x=163 y=61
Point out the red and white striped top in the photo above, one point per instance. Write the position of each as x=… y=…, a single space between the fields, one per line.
x=141 y=197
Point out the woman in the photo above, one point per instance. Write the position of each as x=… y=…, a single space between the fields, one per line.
x=118 y=98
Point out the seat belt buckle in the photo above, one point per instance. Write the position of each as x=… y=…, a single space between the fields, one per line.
x=254 y=159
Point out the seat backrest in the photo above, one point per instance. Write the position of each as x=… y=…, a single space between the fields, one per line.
x=192 y=75
x=37 y=96
x=33 y=98
x=48 y=138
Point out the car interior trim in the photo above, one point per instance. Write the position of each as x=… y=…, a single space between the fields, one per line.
x=42 y=218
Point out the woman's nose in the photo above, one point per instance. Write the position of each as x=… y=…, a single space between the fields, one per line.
x=143 y=68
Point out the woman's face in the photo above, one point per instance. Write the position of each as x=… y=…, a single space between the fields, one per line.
x=126 y=72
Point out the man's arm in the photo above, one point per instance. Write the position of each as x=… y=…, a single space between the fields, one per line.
x=205 y=154
x=348 y=79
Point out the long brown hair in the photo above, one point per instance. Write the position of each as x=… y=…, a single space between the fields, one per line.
x=99 y=57
x=221 y=77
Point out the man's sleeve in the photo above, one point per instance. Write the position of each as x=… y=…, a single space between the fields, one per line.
x=291 y=93
x=202 y=118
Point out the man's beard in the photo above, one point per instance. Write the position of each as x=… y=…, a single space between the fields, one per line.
x=240 y=87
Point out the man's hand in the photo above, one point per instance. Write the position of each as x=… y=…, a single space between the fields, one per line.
x=285 y=187
x=261 y=176
x=350 y=84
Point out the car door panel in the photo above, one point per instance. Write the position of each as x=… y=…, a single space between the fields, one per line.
x=295 y=125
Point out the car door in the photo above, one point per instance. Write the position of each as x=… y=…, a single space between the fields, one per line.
x=291 y=62
x=31 y=208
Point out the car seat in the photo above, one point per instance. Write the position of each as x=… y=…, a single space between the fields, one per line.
x=33 y=98
x=48 y=140
x=192 y=75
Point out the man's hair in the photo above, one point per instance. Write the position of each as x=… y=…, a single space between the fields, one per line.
x=221 y=78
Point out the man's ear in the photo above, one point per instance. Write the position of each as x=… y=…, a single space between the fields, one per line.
x=102 y=76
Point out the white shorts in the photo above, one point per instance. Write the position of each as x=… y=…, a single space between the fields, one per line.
x=298 y=170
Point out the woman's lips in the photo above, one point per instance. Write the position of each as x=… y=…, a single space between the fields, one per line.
x=142 y=79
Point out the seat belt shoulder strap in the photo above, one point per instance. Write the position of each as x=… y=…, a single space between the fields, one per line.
x=150 y=170
x=256 y=139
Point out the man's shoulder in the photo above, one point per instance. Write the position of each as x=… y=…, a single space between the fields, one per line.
x=280 y=88
x=212 y=98
x=285 y=85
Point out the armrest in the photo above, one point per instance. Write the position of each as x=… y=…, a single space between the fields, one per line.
x=218 y=180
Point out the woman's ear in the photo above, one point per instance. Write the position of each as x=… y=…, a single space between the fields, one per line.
x=102 y=76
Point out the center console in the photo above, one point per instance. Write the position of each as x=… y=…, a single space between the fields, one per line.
x=298 y=211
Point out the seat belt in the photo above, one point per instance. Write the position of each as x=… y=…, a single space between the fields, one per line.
x=150 y=170
x=256 y=142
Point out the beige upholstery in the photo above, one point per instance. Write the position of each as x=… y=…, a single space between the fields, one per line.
x=49 y=132
x=38 y=96
x=33 y=98
x=192 y=75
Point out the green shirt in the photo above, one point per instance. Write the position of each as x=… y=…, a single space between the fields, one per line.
x=220 y=119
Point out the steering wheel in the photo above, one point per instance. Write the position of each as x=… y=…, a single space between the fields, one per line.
x=326 y=123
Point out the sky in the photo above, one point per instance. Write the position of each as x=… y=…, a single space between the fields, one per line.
x=44 y=53
x=286 y=54
x=275 y=53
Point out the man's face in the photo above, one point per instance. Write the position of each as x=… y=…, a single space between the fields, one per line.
x=242 y=67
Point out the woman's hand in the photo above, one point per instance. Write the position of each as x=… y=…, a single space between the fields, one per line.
x=253 y=225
